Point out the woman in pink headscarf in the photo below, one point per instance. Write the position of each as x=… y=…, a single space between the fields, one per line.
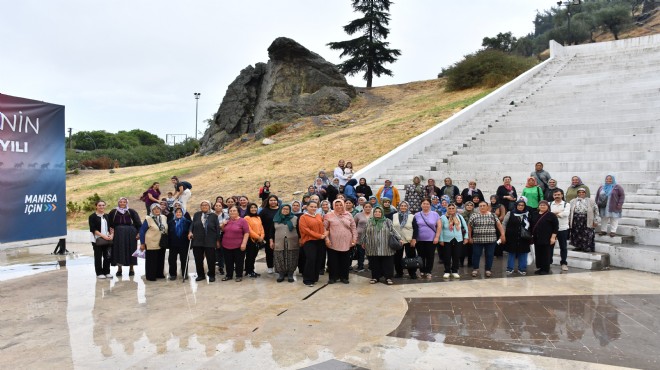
x=342 y=236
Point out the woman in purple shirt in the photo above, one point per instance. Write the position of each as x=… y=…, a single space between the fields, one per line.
x=234 y=241
x=426 y=232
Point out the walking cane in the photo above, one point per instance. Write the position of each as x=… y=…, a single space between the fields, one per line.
x=184 y=269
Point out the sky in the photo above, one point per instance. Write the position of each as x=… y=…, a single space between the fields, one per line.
x=126 y=64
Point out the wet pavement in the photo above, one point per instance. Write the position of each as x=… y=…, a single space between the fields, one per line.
x=56 y=314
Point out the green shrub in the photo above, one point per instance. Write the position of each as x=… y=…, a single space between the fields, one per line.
x=273 y=129
x=487 y=68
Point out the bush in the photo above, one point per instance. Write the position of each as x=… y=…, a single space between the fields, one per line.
x=487 y=68
x=273 y=129
x=101 y=163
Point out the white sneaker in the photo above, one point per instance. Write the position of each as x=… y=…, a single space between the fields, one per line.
x=564 y=267
x=108 y=276
x=270 y=270
x=100 y=276
x=455 y=275
x=445 y=276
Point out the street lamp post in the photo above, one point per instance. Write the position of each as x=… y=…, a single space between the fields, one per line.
x=196 y=109
x=568 y=4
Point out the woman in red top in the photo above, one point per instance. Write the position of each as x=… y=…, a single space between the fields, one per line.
x=312 y=234
x=236 y=232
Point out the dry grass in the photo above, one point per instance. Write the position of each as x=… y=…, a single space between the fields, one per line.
x=379 y=120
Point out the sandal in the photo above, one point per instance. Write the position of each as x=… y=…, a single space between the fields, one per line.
x=389 y=282
x=488 y=273
x=226 y=278
x=373 y=281
x=475 y=273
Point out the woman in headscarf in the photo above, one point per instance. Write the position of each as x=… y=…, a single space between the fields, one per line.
x=319 y=188
x=164 y=209
x=415 y=192
x=177 y=205
x=324 y=178
x=152 y=232
x=374 y=201
x=550 y=191
x=361 y=220
x=376 y=243
x=284 y=243
x=387 y=207
x=312 y=235
x=469 y=192
x=582 y=221
x=325 y=208
x=506 y=193
x=449 y=189
x=610 y=197
x=544 y=232
x=267 y=214
x=516 y=245
x=467 y=247
x=363 y=190
x=125 y=223
x=460 y=205
x=332 y=190
x=101 y=240
x=402 y=222
x=431 y=189
x=435 y=204
x=533 y=193
x=496 y=208
x=576 y=183
x=204 y=233
x=452 y=237
x=257 y=237
x=296 y=208
x=178 y=242
x=342 y=236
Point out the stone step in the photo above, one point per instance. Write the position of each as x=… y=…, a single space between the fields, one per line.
x=641 y=235
x=644 y=199
x=560 y=157
x=645 y=139
x=648 y=192
x=619 y=239
x=508 y=125
x=585 y=264
x=525 y=148
x=633 y=256
x=573 y=167
x=638 y=222
x=640 y=213
x=643 y=206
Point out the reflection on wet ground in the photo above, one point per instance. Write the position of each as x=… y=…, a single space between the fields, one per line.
x=621 y=330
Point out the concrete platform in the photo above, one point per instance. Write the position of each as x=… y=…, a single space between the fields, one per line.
x=56 y=314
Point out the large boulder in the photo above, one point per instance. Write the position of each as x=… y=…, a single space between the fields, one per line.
x=294 y=83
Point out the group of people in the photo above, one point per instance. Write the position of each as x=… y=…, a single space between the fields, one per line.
x=340 y=219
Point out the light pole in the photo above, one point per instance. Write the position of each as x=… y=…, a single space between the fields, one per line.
x=196 y=109
x=568 y=4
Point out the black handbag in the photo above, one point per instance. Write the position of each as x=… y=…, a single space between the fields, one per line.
x=100 y=242
x=524 y=233
x=411 y=262
x=164 y=242
x=394 y=243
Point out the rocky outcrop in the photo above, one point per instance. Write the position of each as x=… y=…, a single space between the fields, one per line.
x=294 y=83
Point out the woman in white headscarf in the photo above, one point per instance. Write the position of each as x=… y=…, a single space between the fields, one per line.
x=204 y=233
x=124 y=222
x=152 y=234
x=402 y=222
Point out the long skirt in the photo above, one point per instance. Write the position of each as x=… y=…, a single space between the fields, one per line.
x=124 y=244
x=286 y=261
x=582 y=237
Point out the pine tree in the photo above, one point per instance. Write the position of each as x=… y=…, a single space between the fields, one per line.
x=368 y=53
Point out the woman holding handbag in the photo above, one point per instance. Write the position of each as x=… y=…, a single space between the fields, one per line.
x=376 y=243
x=426 y=234
x=101 y=240
x=152 y=232
x=518 y=233
x=544 y=233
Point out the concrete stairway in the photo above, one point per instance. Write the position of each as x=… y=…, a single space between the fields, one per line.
x=590 y=111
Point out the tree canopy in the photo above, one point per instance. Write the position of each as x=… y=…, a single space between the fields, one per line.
x=368 y=52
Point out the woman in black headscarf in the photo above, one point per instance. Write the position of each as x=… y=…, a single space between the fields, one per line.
x=284 y=243
x=178 y=242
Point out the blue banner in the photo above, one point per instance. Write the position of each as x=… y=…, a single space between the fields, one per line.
x=32 y=170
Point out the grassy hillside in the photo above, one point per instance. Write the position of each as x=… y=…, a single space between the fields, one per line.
x=378 y=120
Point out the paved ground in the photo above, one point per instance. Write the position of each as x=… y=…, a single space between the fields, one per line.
x=56 y=314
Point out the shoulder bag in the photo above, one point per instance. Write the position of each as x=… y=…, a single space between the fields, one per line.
x=393 y=242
